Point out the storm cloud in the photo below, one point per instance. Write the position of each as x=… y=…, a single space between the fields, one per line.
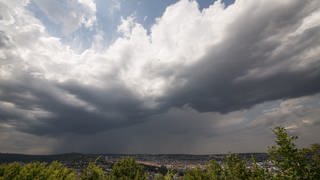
x=197 y=78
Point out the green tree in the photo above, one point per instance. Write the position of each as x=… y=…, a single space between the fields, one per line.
x=127 y=168
x=56 y=170
x=34 y=170
x=257 y=172
x=290 y=161
x=93 y=172
x=314 y=162
x=235 y=168
x=214 y=170
x=158 y=176
x=10 y=171
x=170 y=174
x=196 y=174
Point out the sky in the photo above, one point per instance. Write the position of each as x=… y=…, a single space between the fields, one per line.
x=140 y=76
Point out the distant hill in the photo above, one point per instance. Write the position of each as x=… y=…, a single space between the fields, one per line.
x=8 y=157
x=72 y=157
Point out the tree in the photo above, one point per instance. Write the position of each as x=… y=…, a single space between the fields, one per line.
x=290 y=162
x=34 y=170
x=127 y=168
x=10 y=171
x=93 y=172
x=214 y=169
x=314 y=162
x=170 y=174
x=56 y=170
x=196 y=174
x=235 y=168
x=257 y=172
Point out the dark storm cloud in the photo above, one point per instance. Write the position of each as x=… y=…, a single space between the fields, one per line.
x=110 y=109
x=254 y=64
x=185 y=130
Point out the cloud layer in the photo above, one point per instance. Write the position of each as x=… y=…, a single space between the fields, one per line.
x=195 y=77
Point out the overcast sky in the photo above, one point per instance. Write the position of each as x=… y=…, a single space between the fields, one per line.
x=116 y=76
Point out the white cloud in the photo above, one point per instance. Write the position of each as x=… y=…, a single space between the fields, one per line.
x=70 y=14
x=90 y=4
x=147 y=64
x=293 y=114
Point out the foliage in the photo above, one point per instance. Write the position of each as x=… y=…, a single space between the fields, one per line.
x=158 y=176
x=10 y=171
x=93 y=172
x=235 y=168
x=257 y=172
x=36 y=170
x=127 y=168
x=196 y=173
x=170 y=174
x=56 y=170
x=291 y=162
x=214 y=170
x=314 y=162
x=164 y=174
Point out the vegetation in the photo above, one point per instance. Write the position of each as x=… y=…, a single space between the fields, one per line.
x=127 y=169
x=288 y=163
x=93 y=172
x=291 y=162
x=36 y=170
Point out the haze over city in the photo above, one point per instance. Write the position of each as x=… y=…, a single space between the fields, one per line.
x=149 y=77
